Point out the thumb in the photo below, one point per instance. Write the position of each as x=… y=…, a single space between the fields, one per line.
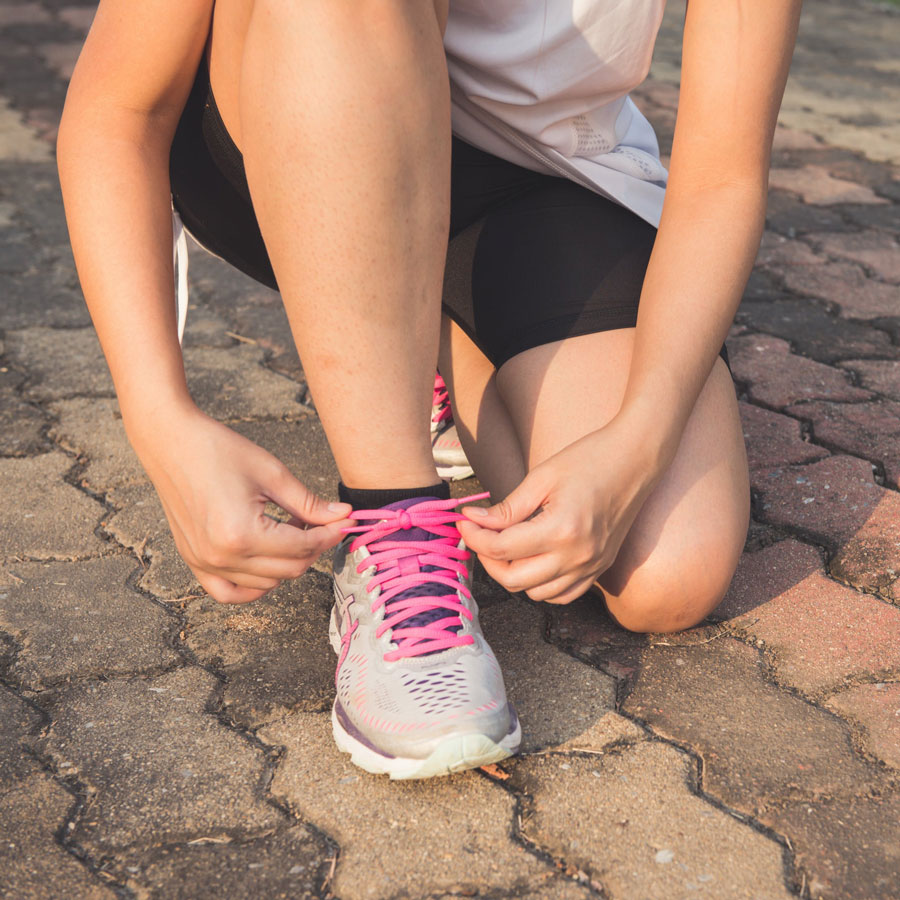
x=516 y=507
x=292 y=495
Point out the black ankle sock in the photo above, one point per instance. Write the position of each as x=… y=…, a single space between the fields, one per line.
x=375 y=499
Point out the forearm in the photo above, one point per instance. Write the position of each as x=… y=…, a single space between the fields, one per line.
x=114 y=176
x=707 y=242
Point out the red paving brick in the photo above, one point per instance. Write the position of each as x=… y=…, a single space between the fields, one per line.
x=846 y=284
x=879 y=375
x=776 y=377
x=774 y=440
x=837 y=501
x=815 y=185
x=876 y=250
x=876 y=707
x=870 y=429
x=820 y=632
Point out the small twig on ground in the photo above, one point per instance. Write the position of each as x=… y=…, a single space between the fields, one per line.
x=240 y=337
x=15 y=578
x=330 y=875
x=728 y=629
x=492 y=770
x=139 y=552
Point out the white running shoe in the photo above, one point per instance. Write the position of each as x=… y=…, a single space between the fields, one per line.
x=419 y=691
x=449 y=456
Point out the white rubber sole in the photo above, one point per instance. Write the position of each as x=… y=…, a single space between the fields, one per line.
x=454 y=754
x=455 y=473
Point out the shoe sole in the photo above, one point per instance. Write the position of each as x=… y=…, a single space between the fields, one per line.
x=455 y=473
x=455 y=753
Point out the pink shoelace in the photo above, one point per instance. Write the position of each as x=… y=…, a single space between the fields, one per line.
x=398 y=568
x=441 y=400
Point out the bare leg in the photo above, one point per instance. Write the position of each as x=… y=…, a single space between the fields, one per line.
x=345 y=126
x=678 y=559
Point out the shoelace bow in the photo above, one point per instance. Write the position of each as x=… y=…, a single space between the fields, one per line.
x=398 y=568
x=440 y=400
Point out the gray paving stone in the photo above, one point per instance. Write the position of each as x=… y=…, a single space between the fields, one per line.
x=647 y=834
x=21 y=423
x=423 y=829
x=289 y=865
x=205 y=328
x=92 y=428
x=847 y=849
x=159 y=768
x=61 y=362
x=32 y=864
x=18 y=721
x=43 y=517
x=77 y=619
x=558 y=698
x=17 y=142
x=760 y=745
x=233 y=384
x=140 y=524
x=274 y=652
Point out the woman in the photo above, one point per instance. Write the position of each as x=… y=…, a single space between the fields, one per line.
x=318 y=156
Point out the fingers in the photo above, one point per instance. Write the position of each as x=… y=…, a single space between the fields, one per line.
x=292 y=495
x=516 y=542
x=226 y=591
x=523 y=502
x=286 y=541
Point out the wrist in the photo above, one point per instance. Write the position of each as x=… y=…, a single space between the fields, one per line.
x=156 y=418
x=646 y=437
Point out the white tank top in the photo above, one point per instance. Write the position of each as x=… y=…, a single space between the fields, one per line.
x=544 y=84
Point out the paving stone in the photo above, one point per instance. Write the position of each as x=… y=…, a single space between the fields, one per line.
x=31 y=860
x=23 y=14
x=233 y=384
x=78 y=17
x=876 y=709
x=18 y=720
x=816 y=333
x=847 y=848
x=535 y=671
x=820 y=633
x=773 y=439
x=760 y=744
x=77 y=619
x=777 y=250
x=21 y=426
x=845 y=284
x=159 y=768
x=284 y=866
x=837 y=502
x=884 y=217
x=18 y=143
x=816 y=186
x=870 y=429
x=274 y=653
x=43 y=517
x=205 y=328
x=876 y=250
x=648 y=834
x=268 y=326
x=60 y=362
x=92 y=428
x=424 y=828
x=776 y=377
x=789 y=139
x=141 y=525
x=790 y=216
x=881 y=376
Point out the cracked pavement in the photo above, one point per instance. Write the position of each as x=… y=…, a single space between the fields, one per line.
x=154 y=744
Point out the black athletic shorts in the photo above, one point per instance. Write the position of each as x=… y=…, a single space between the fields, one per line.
x=532 y=258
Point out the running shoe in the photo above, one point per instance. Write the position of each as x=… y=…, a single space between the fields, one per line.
x=419 y=691
x=449 y=456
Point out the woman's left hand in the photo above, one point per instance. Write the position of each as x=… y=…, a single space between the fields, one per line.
x=563 y=525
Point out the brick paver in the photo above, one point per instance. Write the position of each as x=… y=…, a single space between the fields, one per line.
x=156 y=744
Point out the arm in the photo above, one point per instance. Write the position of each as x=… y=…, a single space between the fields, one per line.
x=735 y=63
x=123 y=105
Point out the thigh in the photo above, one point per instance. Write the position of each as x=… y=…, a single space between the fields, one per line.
x=680 y=554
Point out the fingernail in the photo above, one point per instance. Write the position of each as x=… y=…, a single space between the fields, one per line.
x=342 y=508
x=477 y=511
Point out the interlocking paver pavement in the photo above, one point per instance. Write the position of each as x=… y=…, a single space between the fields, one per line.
x=156 y=744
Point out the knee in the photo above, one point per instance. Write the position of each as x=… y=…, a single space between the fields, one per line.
x=669 y=595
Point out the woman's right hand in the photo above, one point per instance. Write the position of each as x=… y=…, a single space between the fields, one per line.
x=214 y=485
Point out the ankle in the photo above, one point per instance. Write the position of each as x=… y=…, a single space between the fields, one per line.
x=367 y=498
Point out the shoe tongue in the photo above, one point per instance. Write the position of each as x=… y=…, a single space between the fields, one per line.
x=434 y=589
x=410 y=534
